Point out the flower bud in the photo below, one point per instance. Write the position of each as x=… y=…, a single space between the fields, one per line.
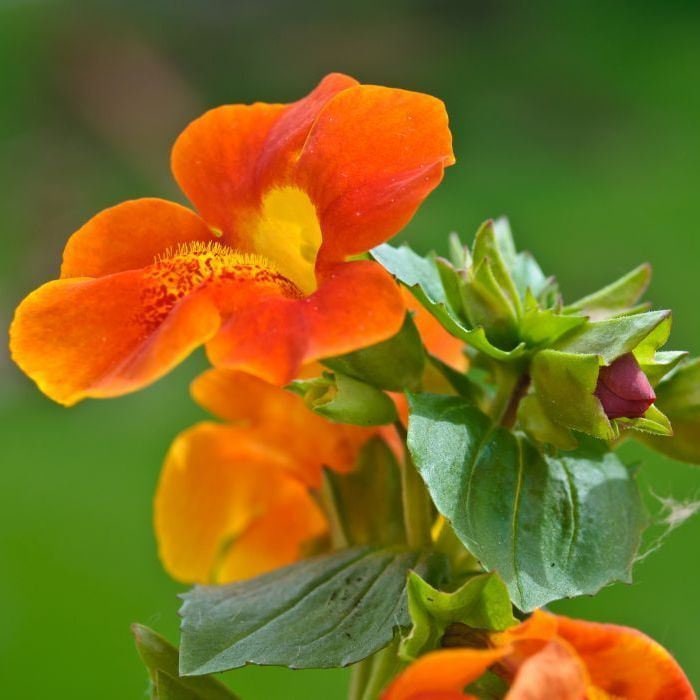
x=624 y=389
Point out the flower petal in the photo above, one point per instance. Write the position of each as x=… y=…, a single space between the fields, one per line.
x=553 y=672
x=226 y=509
x=85 y=337
x=442 y=674
x=625 y=662
x=357 y=304
x=129 y=236
x=225 y=159
x=371 y=158
x=110 y=335
x=310 y=441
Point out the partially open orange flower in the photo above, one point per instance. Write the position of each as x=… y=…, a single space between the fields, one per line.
x=548 y=657
x=233 y=499
x=286 y=195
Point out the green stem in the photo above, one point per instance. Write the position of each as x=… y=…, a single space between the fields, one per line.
x=326 y=498
x=359 y=676
x=383 y=667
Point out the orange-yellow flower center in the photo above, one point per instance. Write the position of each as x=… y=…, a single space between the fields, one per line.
x=195 y=266
x=288 y=233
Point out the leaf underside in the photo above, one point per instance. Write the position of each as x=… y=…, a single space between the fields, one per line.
x=323 y=612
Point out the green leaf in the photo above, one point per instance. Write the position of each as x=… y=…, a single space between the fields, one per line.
x=368 y=499
x=426 y=282
x=481 y=602
x=161 y=659
x=678 y=396
x=616 y=297
x=323 y=612
x=345 y=400
x=614 y=337
x=551 y=526
x=395 y=364
x=564 y=383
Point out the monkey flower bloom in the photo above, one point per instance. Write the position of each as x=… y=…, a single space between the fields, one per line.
x=549 y=657
x=624 y=389
x=286 y=194
x=233 y=499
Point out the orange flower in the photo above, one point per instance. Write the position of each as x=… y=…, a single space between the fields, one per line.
x=286 y=193
x=233 y=499
x=549 y=657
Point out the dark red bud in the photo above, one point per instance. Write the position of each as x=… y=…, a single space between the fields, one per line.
x=624 y=389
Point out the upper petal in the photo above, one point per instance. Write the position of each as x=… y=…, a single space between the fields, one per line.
x=441 y=672
x=625 y=662
x=311 y=441
x=226 y=507
x=130 y=236
x=372 y=156
x=226 y=158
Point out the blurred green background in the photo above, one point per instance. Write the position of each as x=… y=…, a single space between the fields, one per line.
x=579 y=120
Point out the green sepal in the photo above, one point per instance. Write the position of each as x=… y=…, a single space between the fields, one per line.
x=161 y=659
x=425 y=280
x=394 y=364
x=489 y=250
x=367 y=501
x=482 y=602
x=524 y=269
x=542 y=521
x=564 y=383
x=345 y=400
x=324 y=612
x=678 y=396
x=615 y=298
x=615 y=337
x=653 y=421
x=541 y=327
x=535 y=421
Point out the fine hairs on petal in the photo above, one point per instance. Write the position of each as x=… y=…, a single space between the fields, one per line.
x=217 y=250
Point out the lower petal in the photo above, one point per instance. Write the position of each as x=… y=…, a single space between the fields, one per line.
x=625 y=662
x=357 y=304
x=87 y=337
x=442 y=674
x=283 y=420
x=226 y=508
x=553 y=672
